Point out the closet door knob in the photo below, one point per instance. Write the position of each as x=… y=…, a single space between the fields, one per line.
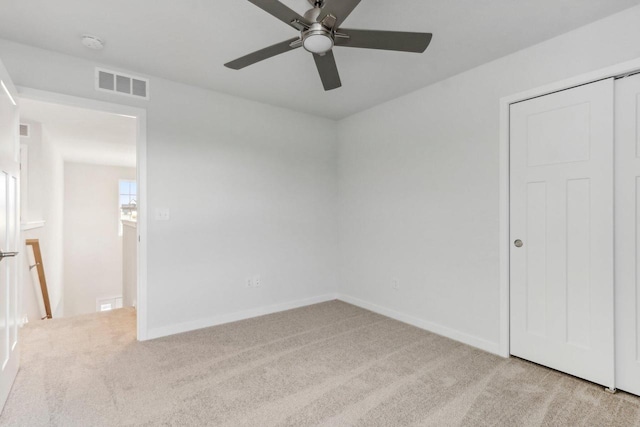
x=518 y=243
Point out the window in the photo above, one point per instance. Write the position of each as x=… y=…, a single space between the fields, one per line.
x=127 y=203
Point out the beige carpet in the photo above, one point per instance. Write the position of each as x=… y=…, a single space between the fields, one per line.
x=331 y=364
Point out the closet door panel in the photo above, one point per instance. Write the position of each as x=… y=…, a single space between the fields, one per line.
x=562 y=266
x=627 y=178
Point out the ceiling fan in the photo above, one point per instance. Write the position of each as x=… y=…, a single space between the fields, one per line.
x=320 y=32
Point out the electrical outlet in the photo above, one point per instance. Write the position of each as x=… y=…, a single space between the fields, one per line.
x=257 y=283
x=248 y=282
x=395 y=284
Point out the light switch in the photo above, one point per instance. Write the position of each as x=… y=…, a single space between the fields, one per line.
x=162 y=214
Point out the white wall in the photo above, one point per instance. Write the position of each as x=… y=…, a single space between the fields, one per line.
x=44 y=202
x=419 y=184
x=92 y=246
x=129 y=263
x=252 y=190
x=51 y=241
x=32 y=198
x=31 y=210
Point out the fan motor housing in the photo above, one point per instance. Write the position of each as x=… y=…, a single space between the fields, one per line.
x=312 y=15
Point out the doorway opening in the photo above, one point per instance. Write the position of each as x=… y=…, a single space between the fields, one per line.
x=83 y=195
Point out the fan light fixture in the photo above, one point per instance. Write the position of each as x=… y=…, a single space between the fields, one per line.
x=318 y=42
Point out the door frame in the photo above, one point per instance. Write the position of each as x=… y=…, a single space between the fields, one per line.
x=141 y=176
x=622 y=69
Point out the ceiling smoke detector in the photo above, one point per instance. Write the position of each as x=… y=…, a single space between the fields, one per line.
x=92 y=42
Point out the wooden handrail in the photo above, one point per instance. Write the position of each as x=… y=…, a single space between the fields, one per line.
x=35 y=244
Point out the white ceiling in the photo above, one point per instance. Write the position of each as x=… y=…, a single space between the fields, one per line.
x=85 y=136
x=190 y=40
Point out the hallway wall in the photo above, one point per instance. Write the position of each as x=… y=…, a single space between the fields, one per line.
x=44 y=199
x=92 y=246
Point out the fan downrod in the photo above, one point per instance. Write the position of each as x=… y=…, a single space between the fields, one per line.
x=316 y=3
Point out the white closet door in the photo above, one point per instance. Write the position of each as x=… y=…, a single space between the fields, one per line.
x=628 y=234
x=562 y=211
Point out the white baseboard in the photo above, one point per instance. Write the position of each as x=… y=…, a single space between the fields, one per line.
x=164 y=331
x=436 y=328
x=491 y=347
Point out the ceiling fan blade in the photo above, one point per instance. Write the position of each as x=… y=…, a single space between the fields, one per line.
x=280 y=11
x=328 y=70
x=262 y=54
x=341 y=9
x=385 y=40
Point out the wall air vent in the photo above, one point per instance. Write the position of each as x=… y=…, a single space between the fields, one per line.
x=123 y=84
x=25 y=130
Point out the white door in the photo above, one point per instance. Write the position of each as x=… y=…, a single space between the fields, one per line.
x=562 y=211
x=628 y=234
x=9 y=235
